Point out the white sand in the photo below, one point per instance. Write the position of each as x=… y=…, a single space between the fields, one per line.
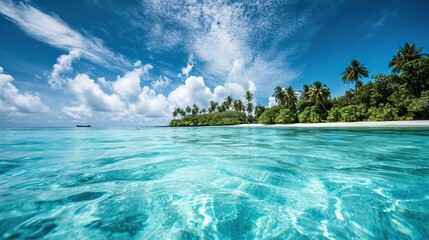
x=424 y=123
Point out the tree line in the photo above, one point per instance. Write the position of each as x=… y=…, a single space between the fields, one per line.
x=401 y=95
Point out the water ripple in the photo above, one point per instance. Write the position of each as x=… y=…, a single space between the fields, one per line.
x=214 y=183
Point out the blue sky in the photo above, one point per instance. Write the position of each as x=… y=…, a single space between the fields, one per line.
x=128 y=63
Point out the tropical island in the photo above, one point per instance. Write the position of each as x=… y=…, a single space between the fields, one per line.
x=401 y=95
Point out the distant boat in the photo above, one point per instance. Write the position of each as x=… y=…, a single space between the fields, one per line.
x=83 y=125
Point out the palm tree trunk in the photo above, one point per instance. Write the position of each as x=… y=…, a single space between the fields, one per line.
x=323 y=105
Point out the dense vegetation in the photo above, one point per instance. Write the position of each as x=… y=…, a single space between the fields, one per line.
x=402 y=95
x=230 y=112
x=211 y=119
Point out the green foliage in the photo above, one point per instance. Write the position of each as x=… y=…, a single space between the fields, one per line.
x=302 y=104
x=403 y=95
x=355 y=71
x=313 y=114
x=212 y=119
x=353 y=113
x=382 y=113
x=319 y=93
x=334 y=115
x=405 y=54
x=258 y=111
x=269 y=115
x=285 y=116
x=419 y=107
x=250 y=119
x=416 y=75
x=400 y=98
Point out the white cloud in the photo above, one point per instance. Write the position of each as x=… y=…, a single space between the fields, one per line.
x=52 y=30
x=77 y=112
x=186 y=70
x=377 y=21
x=104 y=83
x=128 y=102
x=260 y=35
x=158 y=33
x=17 y=115
x=193 y=91
x=151 y=105
x=271 y=102
x=219 y=48
x=4 y=107
x=91 y=94
x=64 y=64
x=128 y=86
x=161 y=82
x=12 y=100
x=138 y=64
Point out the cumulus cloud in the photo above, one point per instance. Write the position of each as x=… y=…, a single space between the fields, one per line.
x=91 y=94
x=271 y=102
x=151 y=105
x=127 y=102
x=52 y=30
x=64 y=64
x=12 y=100
x=128 y=86
x=161 y=82
x=193 y=91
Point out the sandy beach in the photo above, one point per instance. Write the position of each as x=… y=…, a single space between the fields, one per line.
x=423 y=123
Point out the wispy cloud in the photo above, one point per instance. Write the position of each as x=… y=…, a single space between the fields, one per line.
x=259 y=34
x=377 y=21
x=51 y=30
x=186 y=70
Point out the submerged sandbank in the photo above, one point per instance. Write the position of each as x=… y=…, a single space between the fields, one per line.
x=423 y=123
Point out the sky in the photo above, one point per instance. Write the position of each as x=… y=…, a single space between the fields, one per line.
x=130 y=63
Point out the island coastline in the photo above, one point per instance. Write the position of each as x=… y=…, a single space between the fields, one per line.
x=417 y=123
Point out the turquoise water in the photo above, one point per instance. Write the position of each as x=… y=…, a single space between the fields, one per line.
x=214 y=183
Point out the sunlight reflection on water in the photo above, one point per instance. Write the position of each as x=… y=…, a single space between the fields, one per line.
x=214 y=183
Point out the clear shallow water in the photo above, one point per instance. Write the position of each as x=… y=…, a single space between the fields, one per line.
x=214 y=183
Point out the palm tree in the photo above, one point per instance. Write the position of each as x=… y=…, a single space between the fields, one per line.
x=279 y=95
x=213 y=106
x=405 y=54
x=188 y=109
x=195 y=110
x=182 y=113
x=203 y=111
x=319 y=93
x=176 y=112
x=228 y=103
x=259 y=110
x=249 y=108
x=236 y=105
x=304 y=93
x=248 y=96
x=290 y=98
x=354 y=72
x=221 y=108
x=240 y=105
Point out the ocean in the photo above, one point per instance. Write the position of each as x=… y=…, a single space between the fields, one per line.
x=214 y=183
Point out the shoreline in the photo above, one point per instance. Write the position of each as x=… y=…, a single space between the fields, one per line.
x=418 y=123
